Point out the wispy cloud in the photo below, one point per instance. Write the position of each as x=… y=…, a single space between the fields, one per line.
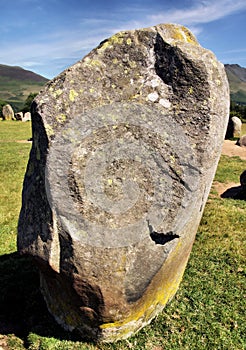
x=52 y=51
x=200 y=12
x=233 y=56
x=240 y=51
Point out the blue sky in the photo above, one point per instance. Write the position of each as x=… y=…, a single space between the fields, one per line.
x=47 y=36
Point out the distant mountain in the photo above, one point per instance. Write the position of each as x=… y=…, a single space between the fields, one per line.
x=17 y=83
x=237 y=81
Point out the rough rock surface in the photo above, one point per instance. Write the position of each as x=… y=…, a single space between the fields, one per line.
x=242 y=141
x=8 y=113
x=125 y=146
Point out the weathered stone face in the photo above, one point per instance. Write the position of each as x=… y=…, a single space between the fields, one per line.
x=125 y=146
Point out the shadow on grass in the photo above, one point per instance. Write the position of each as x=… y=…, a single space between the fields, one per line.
x=22 y=308
x=237 y=192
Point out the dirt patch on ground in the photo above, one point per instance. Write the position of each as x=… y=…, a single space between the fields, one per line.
x=221 y=188
x=231 y=149
x=19 y=141
x=23 y=141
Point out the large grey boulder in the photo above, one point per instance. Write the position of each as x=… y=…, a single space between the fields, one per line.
x=125 y=147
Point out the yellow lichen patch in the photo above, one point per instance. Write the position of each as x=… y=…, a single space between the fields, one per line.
x=61 y=118
x=190 y=90
x=179 y=33
x=57 y=93
x=189 y=36
x=115 y=60
x=214 y=63
x=95 y=63
x=72 y=95
x=133 y=64
x=169 y=278
x=129 y=41
x=49 y=130
x=91 y=62
x=110 y=181
x=117 y=38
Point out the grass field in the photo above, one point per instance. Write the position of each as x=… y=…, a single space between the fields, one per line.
x=208 y=311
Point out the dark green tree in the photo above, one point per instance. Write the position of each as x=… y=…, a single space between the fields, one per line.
x=2 y=103
x=28 y=102
x=238 y=110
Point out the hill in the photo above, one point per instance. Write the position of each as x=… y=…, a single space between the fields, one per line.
x=237 y=81
x=17 y=83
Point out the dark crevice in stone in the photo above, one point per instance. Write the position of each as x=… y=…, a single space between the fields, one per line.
x=177 y=71
x=160 y=237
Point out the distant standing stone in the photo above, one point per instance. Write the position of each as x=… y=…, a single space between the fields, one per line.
x=237 y=125
x=125 y=147
x=19 y=116
x=27 y=117
x=8 y=113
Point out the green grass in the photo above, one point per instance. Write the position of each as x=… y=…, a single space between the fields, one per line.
x=229 y=169
x=13 y=162
x=208 y=311
x=243 y=130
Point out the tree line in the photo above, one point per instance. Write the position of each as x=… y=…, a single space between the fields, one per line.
x=238 y=110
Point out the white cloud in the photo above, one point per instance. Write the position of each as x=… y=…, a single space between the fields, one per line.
x=54 y=50
x=201 y=12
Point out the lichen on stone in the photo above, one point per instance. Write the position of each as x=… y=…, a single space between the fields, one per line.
x=72 y=95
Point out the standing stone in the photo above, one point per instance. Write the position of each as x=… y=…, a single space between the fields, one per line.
x=19 y=116
x=8 y=113
x=27 y=117
x=125 y=146
x=237 y=125
x=233 y=128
